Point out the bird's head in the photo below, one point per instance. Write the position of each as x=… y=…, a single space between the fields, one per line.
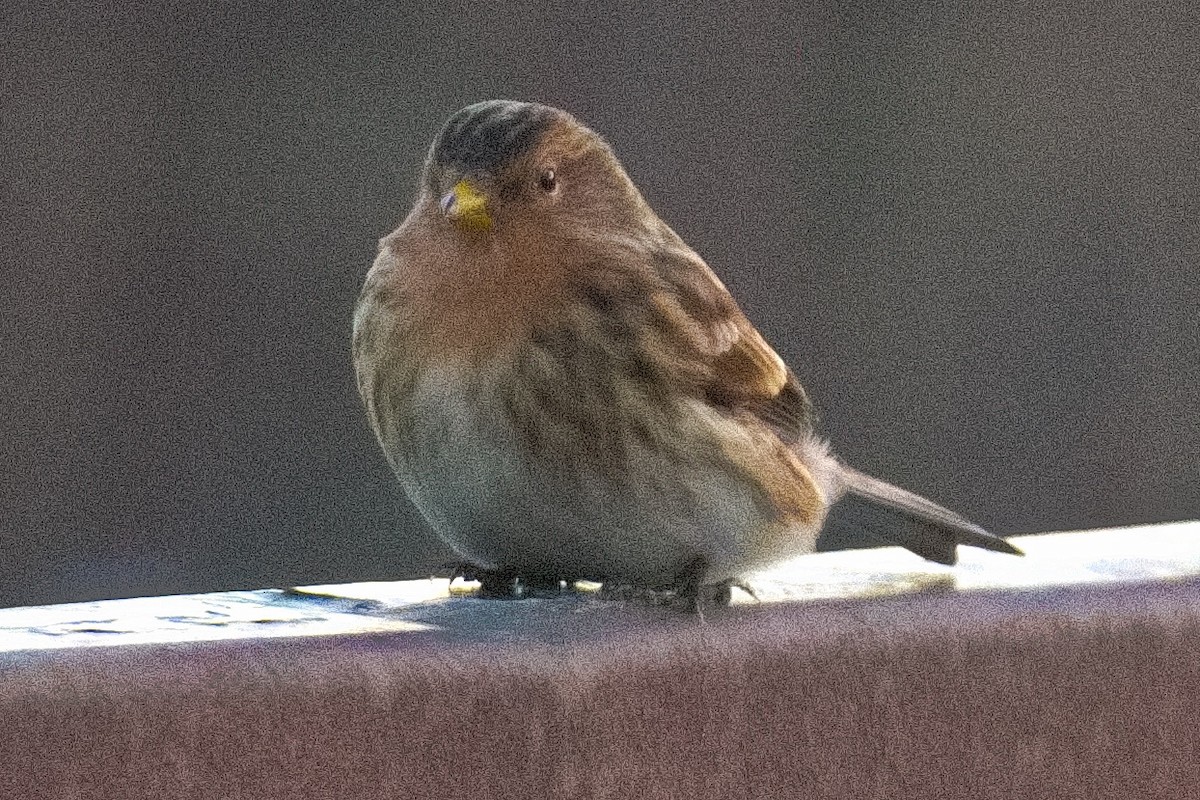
x=511 y=169
x=522 y=210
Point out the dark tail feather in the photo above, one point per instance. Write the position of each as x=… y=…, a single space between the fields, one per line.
x=895 y=516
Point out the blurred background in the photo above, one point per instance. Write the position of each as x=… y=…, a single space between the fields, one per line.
x=972 y=229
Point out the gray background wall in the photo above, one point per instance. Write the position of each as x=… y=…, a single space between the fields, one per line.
x=972 y=230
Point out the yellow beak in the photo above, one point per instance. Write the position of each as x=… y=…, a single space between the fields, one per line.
x=466 y=207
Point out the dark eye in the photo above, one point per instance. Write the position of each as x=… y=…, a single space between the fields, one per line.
x=548 y=181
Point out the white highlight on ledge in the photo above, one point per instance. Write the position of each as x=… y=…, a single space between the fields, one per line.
x=1166 y=552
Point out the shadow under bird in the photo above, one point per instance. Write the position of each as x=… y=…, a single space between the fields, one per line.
x=565 y=390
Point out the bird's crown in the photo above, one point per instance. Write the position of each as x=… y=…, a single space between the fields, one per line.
x=487 y=135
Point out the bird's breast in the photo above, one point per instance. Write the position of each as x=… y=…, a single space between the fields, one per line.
x=477 y=300
x=540 y=462
x=557 y=439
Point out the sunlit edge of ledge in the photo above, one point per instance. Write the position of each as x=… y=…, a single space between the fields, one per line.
x=1162 y=552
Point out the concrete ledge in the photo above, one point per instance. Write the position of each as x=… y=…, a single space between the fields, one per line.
x=1074 y=672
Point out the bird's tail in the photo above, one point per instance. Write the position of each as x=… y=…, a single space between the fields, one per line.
x=891 y=515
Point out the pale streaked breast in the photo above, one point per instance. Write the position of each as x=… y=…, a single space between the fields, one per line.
x=553 y=481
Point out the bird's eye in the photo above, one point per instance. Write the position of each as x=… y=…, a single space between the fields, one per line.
x=548 y=181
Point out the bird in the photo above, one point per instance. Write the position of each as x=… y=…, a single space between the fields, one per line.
x=566 y=391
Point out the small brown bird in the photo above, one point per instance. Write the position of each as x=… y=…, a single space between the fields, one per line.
x=566 y=390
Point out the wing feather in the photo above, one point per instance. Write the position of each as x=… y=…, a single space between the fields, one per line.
x=743 y=372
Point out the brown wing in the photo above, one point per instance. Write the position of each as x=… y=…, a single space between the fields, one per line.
x=744 y=372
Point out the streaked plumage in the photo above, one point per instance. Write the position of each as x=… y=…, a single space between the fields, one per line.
x=566 y=390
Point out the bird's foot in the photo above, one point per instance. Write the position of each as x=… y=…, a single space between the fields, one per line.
x=725 y=590
x=508 y=584
x=688 y=592
x=695 y=595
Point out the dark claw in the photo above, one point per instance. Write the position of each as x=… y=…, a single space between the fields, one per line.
x=507 y=584
x=694 y=595
x=688 y=584
x=737 y=583
x=502 y=584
